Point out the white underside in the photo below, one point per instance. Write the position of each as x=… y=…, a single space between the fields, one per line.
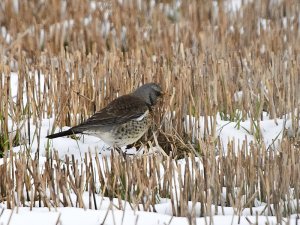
x=110 y=140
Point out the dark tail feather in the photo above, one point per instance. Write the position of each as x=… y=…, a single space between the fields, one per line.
x=63 y=133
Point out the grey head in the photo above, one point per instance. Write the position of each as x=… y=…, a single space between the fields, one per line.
x=149 y=93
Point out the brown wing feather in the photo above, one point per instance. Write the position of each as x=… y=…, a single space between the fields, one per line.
x=119 y=111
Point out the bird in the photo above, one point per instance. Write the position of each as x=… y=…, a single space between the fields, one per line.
x=124 y=120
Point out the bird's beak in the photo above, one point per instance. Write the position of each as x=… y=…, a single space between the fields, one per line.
x=162 y=93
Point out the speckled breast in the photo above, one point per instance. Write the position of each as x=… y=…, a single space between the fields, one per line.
x=132 y=131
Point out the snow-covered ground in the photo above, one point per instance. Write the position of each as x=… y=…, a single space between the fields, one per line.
x=107 y=213
x=76 y=216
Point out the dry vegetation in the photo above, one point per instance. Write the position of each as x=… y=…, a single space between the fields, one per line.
x=144 y=180
x=200 y=57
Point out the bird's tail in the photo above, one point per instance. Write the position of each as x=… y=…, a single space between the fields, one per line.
x=63 y=133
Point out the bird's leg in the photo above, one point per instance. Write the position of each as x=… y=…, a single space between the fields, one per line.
x=129 y=146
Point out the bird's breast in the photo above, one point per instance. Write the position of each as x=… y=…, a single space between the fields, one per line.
x=126 y=133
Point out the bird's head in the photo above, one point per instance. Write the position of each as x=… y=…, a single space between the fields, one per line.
x=149 y=93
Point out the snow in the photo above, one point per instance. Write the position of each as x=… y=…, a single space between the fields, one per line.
x=74 y=216
x=108 y=213
x=7 y=37
x=271 y=132
x=238 y=131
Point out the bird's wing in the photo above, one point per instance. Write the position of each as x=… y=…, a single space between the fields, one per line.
x=119 y=111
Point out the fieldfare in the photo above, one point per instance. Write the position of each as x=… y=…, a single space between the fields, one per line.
x=123 y=121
